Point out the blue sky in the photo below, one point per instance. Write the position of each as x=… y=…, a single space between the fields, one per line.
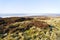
x=29 y=6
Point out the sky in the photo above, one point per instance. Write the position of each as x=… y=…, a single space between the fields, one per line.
x=29 y=6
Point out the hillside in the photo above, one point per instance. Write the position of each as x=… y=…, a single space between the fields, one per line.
x=30 y=28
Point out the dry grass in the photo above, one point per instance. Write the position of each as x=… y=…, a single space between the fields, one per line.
x=30 y=29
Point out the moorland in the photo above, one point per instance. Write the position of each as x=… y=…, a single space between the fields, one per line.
x=30 y=28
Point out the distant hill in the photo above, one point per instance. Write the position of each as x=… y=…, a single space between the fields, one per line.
x=23 y=15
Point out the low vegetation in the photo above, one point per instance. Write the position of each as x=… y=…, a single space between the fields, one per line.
x=27 y=28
